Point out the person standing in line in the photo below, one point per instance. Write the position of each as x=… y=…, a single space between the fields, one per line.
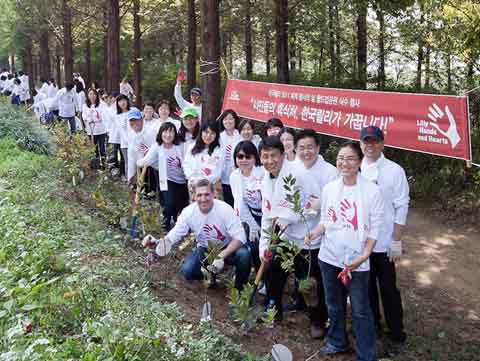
x=393 y=183
x=117 y=134
x=96 y=118
x=66 y=103
x=126 y=89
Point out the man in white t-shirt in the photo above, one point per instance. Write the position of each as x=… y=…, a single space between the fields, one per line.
x=393 y=184
x=214 y=223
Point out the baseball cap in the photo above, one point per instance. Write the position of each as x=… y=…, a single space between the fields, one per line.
x=189 y=112
x=196 y=91
x=371 y=132
x=134 y=114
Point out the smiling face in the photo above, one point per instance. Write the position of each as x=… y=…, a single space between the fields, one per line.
x=168 y=136
x=164 y=111
x=196 y=99
x=148 y=112
x=136 y=125
x=272 y=160
x=204 y=198
x=348 y=162
x=372 y=148
x=189 y=123
x=273 y=131
x=229 y=122
x=307 y=151
x=92 y=96
x=123 y=104
x=247 y=132
x=288 y=142
x=208 y=136
x=245 y=162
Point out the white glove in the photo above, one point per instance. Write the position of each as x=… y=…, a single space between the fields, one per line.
x=395 y=251
x=254 y=236
x=217 y=265
x=164 y=246
x=149 y=242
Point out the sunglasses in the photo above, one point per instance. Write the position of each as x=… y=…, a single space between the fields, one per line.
x=243 y=156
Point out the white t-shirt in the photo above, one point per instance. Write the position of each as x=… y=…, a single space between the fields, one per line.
x=228 y=144
x=95 y=118
x=219 y=226
x=203 y=165
x=182 y=103
x=138 y=146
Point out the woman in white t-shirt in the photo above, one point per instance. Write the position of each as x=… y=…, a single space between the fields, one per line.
x=190 y=127
x=246 y=128
x=96 y=119
x=229 y=138
x=118 y=133
x=246 y=182
x=351 y=219
x=287 y=137
x=167 y=154
x=164 y=111
x=204 y=158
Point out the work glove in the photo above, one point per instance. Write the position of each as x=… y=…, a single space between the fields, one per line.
x=217 y=265
x=395 y=251
x=181 y=76
x=164 y=246
x=345 y=276
x=149 y=242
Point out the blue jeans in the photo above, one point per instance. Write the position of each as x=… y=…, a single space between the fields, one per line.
x=362 y=318
x=240 y=259
x=71 y=123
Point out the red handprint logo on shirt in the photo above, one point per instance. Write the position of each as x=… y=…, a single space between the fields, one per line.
x=174 y=162
x=143 y=148
x=212 y=233
x=268 y=206
x=207 y=171
x=349 y=213
x=253 y=195
x=332 y=214
x=228 y=152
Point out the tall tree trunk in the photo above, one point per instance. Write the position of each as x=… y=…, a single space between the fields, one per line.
x=106 y=47
x=44 y=54
x=268 y=44
x=338 y=37
x=449 y=71
x=281 y=40
x=427 y=66
x=137 y=54
x=12 y=63
x=29 y=63
x=67 y=41
x=300 y=55
x=331 y=40
x=362 y=43
x=248 y=40
x=420 y=53
x=211 y=55
x=114 y=47
x=88 y=61
x=381 y=46
x=58 y=65
x=293 y=50
x=192 y=45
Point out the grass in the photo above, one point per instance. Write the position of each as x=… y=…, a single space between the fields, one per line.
x=69 y=290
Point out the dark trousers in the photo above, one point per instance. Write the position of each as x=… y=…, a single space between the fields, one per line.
x=383 y=272
x=116 y=154
x=276 y=277
x=174 y=200
x=72 y=123
x=151 y=180
x=227 y=194
x=100 y=145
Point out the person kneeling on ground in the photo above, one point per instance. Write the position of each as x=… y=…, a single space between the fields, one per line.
x=214 y=223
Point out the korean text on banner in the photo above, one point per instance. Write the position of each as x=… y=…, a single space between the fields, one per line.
x=434 y=124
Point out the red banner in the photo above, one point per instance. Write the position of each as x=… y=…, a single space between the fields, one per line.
x=434 y=124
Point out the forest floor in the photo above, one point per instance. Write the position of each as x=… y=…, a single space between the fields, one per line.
x=438 y=277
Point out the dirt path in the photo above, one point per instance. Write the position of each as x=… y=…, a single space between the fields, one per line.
x=440 y=281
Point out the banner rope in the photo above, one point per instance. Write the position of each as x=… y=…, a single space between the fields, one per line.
x=214 y=70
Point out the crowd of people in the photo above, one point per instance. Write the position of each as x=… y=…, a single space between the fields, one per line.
x=227 y=185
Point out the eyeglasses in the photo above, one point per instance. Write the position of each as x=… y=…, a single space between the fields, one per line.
x=243 y=156
x=348 y=159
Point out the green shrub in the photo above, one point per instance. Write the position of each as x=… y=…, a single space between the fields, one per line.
x=27 y=132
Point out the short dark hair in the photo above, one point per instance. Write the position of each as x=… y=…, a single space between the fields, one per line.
x=203 y=183
x=79 y=86
x=149 y=104
x=272 y=123
x=271 y=142
x=308 y=133
x=164 y=127
x=289 y=131
x=244 y=122
x=69 y=85
x=97 y=99
x=199 y=145
x=161 y=102
x=224 y=115
x=353 y=145
x=249 y=149
x=122 y=97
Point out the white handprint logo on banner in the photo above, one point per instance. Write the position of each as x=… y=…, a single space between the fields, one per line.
x=435 y=114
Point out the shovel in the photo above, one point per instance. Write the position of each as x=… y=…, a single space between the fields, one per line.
x=281 y=353
x=133 y=231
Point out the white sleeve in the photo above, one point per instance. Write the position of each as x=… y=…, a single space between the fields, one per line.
x=234 y=226
x=177 y=93
x=189 y=163
x=217 y=171
x=182 y=226
x=85 y=113
x=401 y=198
x=151 y=157
x=377 y=211
x=132 y=162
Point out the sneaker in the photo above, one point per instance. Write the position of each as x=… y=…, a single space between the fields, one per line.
x=317 y=332
x=329 y=349
x=262 y=290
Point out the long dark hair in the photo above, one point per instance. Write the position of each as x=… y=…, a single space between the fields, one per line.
x=224 y=115
x=200 y=145
x=120 y=97
x=182 y=132
x=97 y=99
x=249 y=149
x=164 y=127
